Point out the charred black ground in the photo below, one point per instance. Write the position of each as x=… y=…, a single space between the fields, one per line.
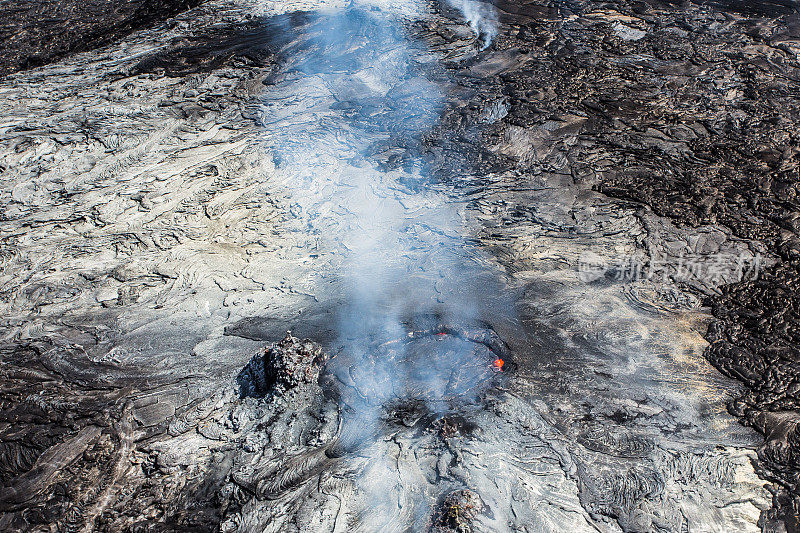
x=37 y=32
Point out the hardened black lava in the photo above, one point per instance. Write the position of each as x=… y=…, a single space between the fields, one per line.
x=36 y=32
x=673 y=110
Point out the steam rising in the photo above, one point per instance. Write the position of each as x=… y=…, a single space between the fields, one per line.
x=397 y=241
x=481 y=16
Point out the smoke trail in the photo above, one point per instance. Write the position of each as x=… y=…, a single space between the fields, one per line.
x=481 y=16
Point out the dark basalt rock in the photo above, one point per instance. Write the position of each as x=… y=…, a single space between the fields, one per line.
x=698 y=154
x=457 y=512
x=35 y=32
x=689 y=108
x=743 y=174
x=755 y=340
x=283 y=365
x=653 y=122
x=66 y=438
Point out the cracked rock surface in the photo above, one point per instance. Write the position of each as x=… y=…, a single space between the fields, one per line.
x=165 y=223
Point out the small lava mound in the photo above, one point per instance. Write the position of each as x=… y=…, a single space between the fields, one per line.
x=457 y=512
x=282 y=366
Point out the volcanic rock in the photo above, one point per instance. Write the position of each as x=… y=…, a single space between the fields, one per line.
x=457 y=512
x=180 y=198
x=283 y=365
x=36 y=32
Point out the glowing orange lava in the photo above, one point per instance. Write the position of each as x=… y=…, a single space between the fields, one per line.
x=498 y=364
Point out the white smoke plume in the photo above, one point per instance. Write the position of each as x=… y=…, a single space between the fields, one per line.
x=481 y=16
x=396 y=242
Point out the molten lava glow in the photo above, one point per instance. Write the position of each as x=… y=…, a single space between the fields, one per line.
x=498 y=364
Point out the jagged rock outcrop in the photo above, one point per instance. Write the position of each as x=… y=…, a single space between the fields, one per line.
x=282 y=366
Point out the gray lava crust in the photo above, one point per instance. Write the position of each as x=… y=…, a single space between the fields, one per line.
x=153 y=238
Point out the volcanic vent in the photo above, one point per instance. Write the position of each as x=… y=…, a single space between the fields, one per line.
x=434 y=371
x=305 y=419
x=414 y=380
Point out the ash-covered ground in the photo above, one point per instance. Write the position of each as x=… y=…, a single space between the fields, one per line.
x=511 y=242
